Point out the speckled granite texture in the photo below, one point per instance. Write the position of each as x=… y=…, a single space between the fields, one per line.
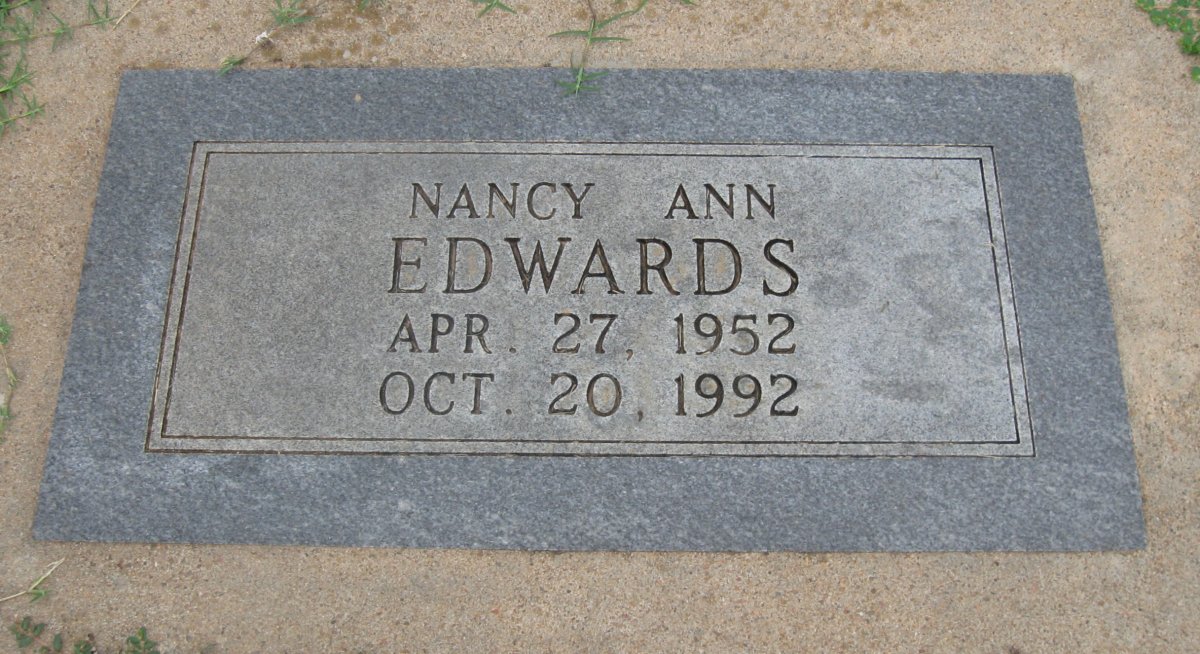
x=1078 y=492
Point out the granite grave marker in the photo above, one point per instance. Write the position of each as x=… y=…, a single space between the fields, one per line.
x=704 y=310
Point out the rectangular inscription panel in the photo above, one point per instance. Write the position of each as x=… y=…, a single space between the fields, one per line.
x=603 y=299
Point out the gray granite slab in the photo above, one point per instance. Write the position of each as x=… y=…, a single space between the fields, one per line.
x=916 y=353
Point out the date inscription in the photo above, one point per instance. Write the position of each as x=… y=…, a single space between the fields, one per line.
x=591 y=299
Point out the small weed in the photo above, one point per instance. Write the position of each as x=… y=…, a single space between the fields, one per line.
x=284 y=15
x=140 y=644
x=21 y=23
x=10 y=376
x=583 y=80
x=19 y=20
x=35 y=590
x=26 y=631
x=293 y=13
x=29 y=633
x=489 y=5
x=98 y=14
x=1181 y=17
x=229 y=63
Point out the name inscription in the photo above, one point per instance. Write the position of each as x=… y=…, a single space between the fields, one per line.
x=596 y=299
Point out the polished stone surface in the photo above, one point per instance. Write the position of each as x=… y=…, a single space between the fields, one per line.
x=866 y=309
x=951 y=301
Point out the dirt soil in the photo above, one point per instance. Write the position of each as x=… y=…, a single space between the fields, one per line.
x=1140 y=115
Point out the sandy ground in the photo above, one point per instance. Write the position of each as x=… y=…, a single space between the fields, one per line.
x=1140 y=116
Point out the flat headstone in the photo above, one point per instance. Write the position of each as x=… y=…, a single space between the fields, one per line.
x=702 y=310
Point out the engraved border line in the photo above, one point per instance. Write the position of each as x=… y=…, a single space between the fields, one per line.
x=755 y=444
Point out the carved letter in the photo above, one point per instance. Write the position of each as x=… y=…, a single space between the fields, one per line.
x=473 y=333
x=383 y=394
x=578 y=199
x=509 y=203
x=680 y=203
x=433 y=203
x=478 y=378
x=405 y=335
x=429 y=401
x=399 y=262
x=726 y=204
x=463 y=201
x=775 y=261
x=452 y=265
x=605 y=271
x=529 y=200
x=769 y=207
x=434 y=331
x=659 y=267
x=701 y=268
x=538 y=260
